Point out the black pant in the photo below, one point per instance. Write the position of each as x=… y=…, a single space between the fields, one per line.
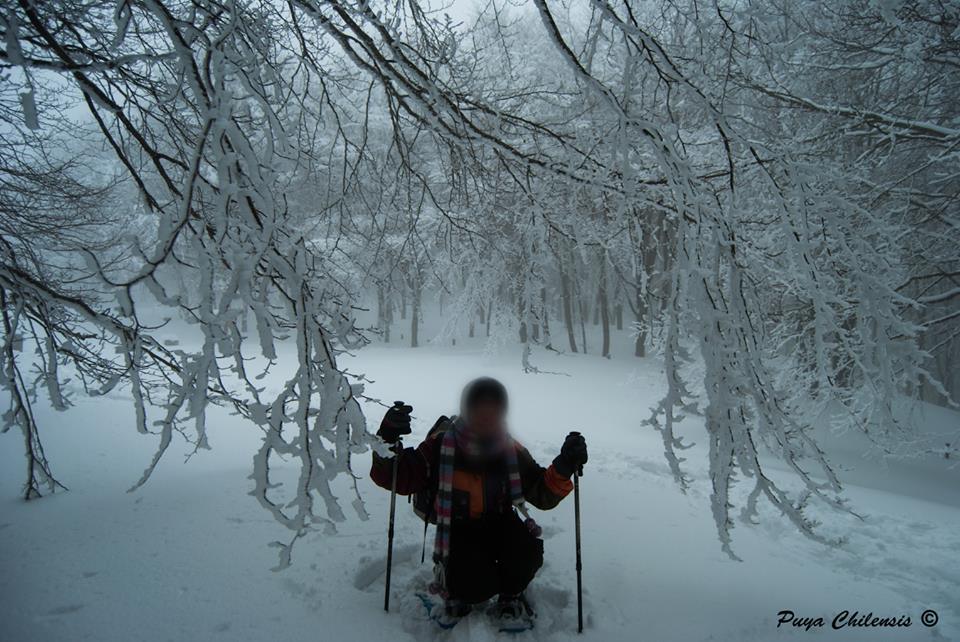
x=491 y=556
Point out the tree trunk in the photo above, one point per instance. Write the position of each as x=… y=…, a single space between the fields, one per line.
x=545 y=313
x=522 y=315
x=584 y=315
x=664 y=242
x=640 y=347
x=382 y=315
x=604 y=307
x=415 y=312
x=648 y=253
x=567 y=309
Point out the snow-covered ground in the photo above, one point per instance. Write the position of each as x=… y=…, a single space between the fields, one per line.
x=187 y=557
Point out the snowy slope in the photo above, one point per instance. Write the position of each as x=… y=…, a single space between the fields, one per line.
x=186 y=557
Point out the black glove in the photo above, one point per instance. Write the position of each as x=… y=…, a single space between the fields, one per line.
x=573 y=455
x=396 y=423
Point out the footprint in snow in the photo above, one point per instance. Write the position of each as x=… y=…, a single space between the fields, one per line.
x=370 y=570
x=64 y=610
x=921 y=527
x=555 y=597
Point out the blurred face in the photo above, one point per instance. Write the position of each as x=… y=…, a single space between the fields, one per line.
x=487 y=418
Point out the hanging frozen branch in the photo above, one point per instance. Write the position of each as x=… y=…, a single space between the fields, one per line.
x=205 y=138
x=847 y=338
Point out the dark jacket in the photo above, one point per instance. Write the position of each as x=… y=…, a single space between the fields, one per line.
x=478 y=489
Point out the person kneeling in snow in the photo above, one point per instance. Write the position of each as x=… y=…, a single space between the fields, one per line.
x=471 y=478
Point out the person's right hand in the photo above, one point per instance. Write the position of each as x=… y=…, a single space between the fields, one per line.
x=396 y=423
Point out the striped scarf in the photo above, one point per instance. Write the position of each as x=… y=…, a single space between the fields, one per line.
x=458 y=436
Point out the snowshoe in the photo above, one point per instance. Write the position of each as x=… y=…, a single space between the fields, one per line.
x=514 y=614
x=447 y=614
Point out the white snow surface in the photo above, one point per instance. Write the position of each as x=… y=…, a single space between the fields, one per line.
x=186 y=557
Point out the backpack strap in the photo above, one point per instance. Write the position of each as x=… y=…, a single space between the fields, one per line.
x=423 y=551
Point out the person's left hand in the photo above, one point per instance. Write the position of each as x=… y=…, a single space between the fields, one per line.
x=573 y=455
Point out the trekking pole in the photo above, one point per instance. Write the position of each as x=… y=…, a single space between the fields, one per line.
x=397 y=449
x=576 y=517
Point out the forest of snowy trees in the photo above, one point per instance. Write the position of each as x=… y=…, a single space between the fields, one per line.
x=764 y=192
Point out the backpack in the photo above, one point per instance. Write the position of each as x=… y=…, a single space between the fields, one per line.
x=424 y=501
